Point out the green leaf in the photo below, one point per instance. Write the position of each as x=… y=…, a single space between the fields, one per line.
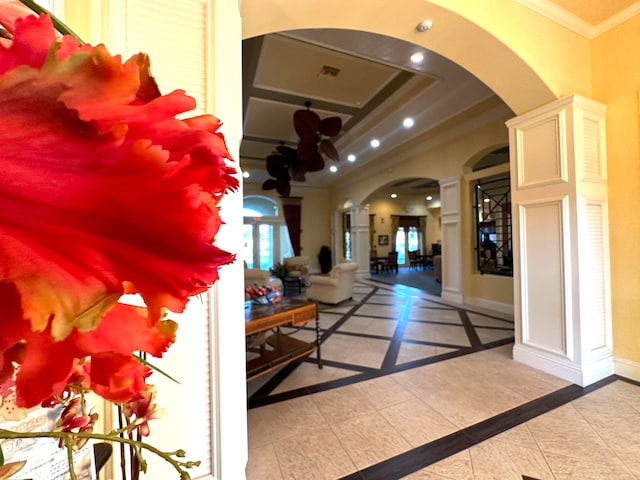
x=153 y=367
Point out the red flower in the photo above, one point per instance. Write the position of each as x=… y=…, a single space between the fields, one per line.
x=143 y=408
x=103 y=192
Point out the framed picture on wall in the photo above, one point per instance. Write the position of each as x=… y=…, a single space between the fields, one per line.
x=383 y=239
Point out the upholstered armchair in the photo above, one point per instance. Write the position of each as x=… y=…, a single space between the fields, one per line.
x=334 y=287
x=260 y=277
x=298 y=267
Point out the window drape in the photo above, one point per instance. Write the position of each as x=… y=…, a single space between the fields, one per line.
x=372 y=231
x=423 y=230
x=395 y=224
x=292 y=210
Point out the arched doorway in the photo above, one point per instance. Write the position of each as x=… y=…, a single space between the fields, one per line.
x=464 y=34
x=472 y=37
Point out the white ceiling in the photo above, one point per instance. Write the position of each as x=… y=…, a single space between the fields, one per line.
x=376 y=87
x=372 y=86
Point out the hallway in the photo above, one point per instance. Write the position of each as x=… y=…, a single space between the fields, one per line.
x=414 y=388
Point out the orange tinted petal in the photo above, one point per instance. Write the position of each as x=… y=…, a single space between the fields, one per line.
x=102 y=188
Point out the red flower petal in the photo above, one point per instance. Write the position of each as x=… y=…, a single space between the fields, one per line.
x=123 y=330
x=103 y=191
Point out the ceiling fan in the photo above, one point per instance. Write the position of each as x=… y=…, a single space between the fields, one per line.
x=287 y=163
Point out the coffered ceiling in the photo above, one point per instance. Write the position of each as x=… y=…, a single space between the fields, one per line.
x=370 y=82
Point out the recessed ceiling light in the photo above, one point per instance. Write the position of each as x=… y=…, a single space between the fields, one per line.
x=246 y=174
x=351 y=157
x=417 y=57
x=408 y=122
x=487 y=200
x=394 y=195
x=429 y=197
x=375 y=143
x=333 y=169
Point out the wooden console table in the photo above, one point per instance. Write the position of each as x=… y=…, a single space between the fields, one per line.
x=280 y=348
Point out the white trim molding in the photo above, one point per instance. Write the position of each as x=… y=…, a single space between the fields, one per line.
x=552 y=11
x=626 y=368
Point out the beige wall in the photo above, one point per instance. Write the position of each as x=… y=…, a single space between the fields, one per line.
x=384 y=208
x=315 y=222
x=525 y=70
x=616 y=80
x=436 y=160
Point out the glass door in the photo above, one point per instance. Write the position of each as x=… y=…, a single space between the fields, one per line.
x=265 y=243
x=247 y=244
x=401 y=246
x=406 y=241
x=266 y=246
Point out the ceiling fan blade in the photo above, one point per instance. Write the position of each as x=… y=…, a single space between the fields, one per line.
x=276 y=164
x=283 y=188
x=269 y=184
x=286 y=152
x=305 y=122
x=315 y=164
x=330 y=126
x=329 y=150
x=307 y=147
x=298 y=171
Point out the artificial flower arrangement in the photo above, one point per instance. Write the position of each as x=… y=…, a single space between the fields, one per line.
x=104 y=192
x=262 y=294
x=280 y=270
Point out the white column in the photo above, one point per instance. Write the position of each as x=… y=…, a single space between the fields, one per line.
x=561 y=240
x=360 y=244
x=228 y=395
x=450 y=195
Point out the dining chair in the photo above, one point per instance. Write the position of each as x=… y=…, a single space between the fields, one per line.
x=391 y=263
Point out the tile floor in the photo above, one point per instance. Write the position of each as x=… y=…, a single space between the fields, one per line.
x=414 y=388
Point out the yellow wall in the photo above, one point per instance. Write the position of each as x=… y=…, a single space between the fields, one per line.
x=490 y=288
x=616 y=82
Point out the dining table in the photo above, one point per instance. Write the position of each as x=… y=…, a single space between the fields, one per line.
x=376 y=262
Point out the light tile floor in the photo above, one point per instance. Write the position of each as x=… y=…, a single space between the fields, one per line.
x=402 y=370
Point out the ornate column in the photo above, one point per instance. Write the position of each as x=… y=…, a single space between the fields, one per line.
x=561 y=240
x=451 y=239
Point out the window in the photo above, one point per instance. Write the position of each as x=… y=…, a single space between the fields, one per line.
x=265 y=236
x=53 y=6
x=408 y=239
x=346 y=229
x=493 y=225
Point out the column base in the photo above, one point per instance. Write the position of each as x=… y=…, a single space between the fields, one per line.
x=582 y=375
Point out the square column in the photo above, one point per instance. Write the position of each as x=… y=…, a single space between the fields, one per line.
x=360 y=244
x=451 y=231
x=561 y=240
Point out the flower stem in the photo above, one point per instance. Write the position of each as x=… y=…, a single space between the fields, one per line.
x=69 y=439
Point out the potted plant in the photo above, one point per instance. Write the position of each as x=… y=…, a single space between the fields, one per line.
x=324 y=258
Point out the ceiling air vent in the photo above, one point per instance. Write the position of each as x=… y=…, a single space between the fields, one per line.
x=327 y=71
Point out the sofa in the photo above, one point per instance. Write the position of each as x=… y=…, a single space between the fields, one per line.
x=298 y=267
x=334 y=287
x=260 y=277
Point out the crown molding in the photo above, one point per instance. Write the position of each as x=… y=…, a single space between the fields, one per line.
x=562 y=17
